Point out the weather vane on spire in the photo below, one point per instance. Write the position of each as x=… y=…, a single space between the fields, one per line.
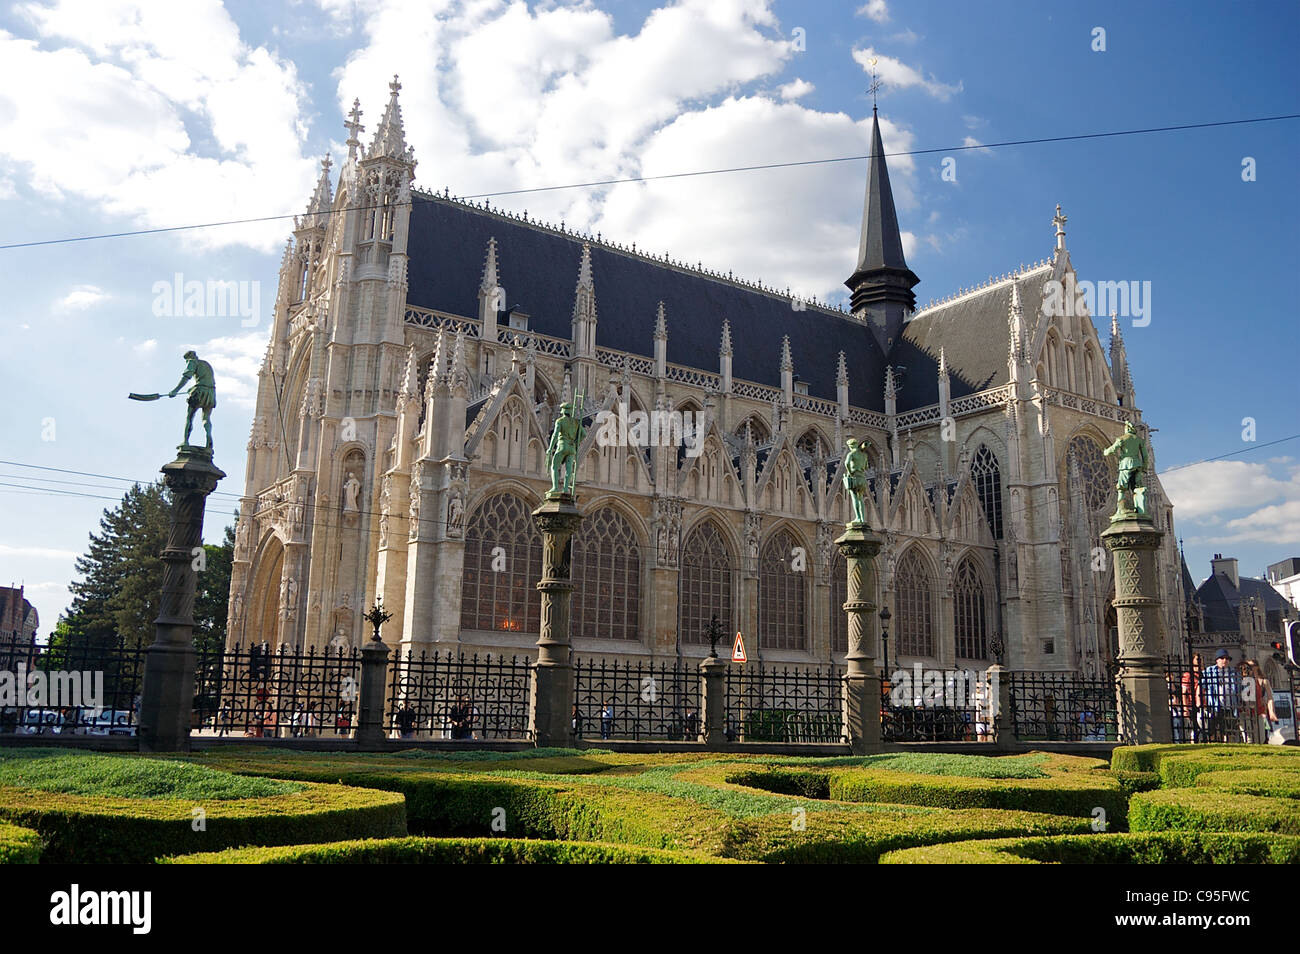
x=875 y=84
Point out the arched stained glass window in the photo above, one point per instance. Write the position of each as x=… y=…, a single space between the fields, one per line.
x=704 y=584
x=607 y=574
x=1094 y=471
x=498 y=587
x=915 y=612
x=782 y=595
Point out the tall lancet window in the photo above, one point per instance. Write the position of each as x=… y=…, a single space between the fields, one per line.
x=915 y=611
x=839 y=596
x=969 y=612
x=986 y=475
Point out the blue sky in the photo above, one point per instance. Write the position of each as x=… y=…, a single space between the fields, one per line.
x=119 y=114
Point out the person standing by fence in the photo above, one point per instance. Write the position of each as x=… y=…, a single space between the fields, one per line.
x=607 y=720
x=1258 y=697
x=1222 y=687
x=1192 y=701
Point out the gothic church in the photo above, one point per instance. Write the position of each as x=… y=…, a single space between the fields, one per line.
x=422 y=344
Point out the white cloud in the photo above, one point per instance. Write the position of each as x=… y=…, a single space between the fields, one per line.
x=877 y=10
x=588 y=103
x=37 y=553
x=235 y=360
x=145 y=348
x=82 y=297
x=1240 y=502
x=974 y=145
x=1205 y=489
x=896 y=73
x=157 y=112
x=796 y=89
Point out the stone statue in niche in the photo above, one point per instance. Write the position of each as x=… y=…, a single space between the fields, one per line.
x=351 y=491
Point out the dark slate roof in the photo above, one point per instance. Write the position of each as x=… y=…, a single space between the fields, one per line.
x=1221 y=600
x=538 y=267
x=973 y=332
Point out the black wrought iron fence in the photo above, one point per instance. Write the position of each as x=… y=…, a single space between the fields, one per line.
x=447 y=695
x=786 y=704
x=922 y=704
x=286 y=693
x=84 y=688
x=1063 y=707
x=1221 y=704
x=637 y=700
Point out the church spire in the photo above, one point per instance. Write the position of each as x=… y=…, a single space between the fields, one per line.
x=584 y=306
x=390 y=138
x=882 y=283
x=319 y=206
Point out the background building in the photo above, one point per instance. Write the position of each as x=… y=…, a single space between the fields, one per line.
x=1241 y=614
x=422 y=344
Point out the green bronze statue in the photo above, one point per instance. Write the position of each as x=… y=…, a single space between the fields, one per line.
x=562 y=452
x=856 y=464
x=203 y=394
x=1131 y=483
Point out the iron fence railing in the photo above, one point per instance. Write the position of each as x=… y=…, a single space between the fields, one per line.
x=937 y=705
x=1220 y=704
x=786 y=704
x=447 y=695
x=1063 y=707
x=89 y=687
x=287 y=693
x=637 y=700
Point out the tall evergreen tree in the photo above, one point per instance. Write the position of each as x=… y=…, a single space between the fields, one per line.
x=117 y=596
x=212 y=596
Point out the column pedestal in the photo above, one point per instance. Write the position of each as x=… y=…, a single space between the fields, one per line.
x=1141 y=690
x=861 y=682
x=167 y=693
x=551 y=704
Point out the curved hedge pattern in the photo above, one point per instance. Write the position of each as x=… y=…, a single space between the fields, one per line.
x=19 y=846
x=82 y=829
x=442 y=851
x=1174 y=847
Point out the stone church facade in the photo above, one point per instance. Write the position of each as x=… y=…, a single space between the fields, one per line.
x=422 y=344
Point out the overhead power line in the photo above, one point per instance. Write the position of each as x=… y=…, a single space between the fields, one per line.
x=598 y=183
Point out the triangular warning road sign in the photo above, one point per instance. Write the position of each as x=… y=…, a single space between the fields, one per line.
x=738 y=650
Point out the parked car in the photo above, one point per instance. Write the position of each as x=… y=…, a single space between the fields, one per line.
x=1285 y=707
x=40 y=722
x=113 y=722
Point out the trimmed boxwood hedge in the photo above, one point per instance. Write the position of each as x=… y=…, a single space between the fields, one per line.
x=442 y=851
x=19 y=846
x=1253 y=782
x=83 y=829
x=445 y=804
x=1072 y=794
x=1152 y=848
x=1180 y=764
x=1209 y=809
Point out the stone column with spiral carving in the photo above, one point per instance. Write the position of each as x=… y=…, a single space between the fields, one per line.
x=861 y=684
x=1141 y=690
x=551 y=706
x=167 y=693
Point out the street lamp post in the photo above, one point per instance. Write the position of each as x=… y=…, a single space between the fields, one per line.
x=884 y=638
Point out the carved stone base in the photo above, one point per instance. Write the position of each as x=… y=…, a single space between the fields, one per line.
x=558 y=518
x=861 y=686
x=1142 y=692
